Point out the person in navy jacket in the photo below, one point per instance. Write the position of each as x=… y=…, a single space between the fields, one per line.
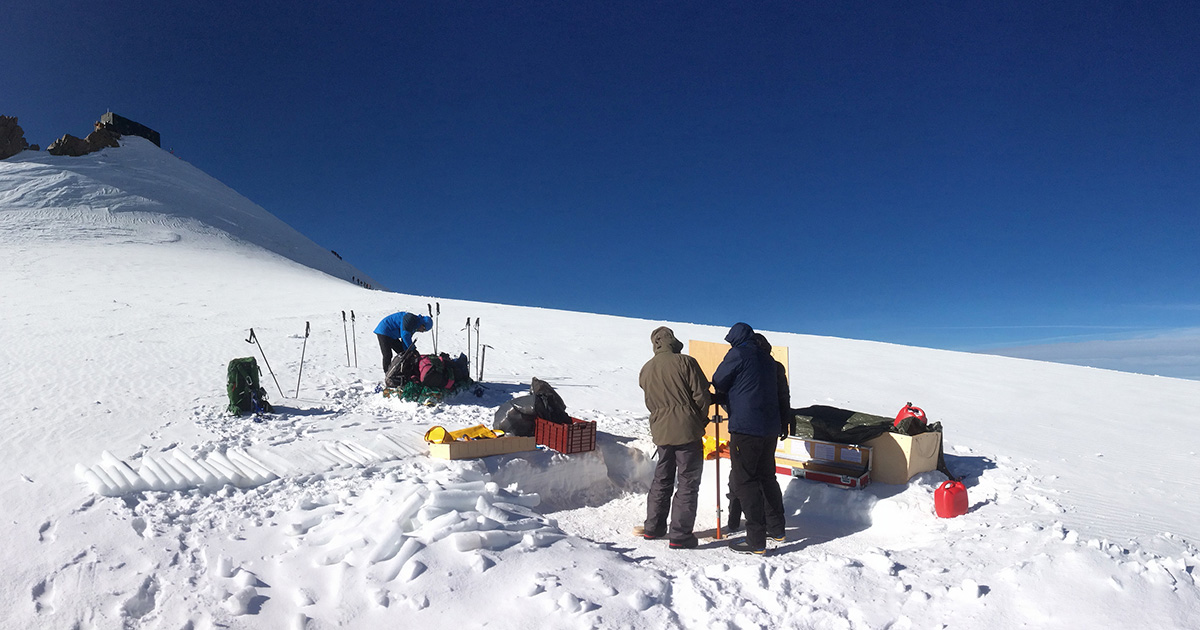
x=395 y=333
x=747 y=379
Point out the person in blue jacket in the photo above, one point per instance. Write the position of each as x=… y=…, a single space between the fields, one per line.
x=395 y=333
x=746 y=378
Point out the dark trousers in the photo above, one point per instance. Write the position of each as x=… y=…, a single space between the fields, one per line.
x=679 y=469
x=752 y=480
x=387 y=346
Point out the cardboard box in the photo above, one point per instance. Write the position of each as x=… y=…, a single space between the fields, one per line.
x=846 y=465
x=577 y=437
x=471 y=449
x=899 y=457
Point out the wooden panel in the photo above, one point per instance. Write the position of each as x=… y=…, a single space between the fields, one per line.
x=471 y=449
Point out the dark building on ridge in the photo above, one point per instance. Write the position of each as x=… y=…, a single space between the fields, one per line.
x=127 y=127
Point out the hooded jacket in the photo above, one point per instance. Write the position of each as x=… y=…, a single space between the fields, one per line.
x=676 y=392
x=747 y=375
x=402 y=325
x=787 y=420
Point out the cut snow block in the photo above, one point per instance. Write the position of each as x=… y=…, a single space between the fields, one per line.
x=93 y=480
x=472 y=449
x=225 y=471
x=245 y=460
x=898 y=457
x=172 y=481
x=461 y=500
x=152 y=480
x=119 y=467
x=196 y=473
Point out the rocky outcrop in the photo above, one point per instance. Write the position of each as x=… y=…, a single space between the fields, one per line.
x=68 y=145
x=12 y=137
x=103 y=137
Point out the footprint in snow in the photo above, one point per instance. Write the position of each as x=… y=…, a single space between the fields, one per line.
x=46 y=532
x=42 y=594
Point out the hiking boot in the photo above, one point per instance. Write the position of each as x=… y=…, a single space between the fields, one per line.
x=733 y=526
x=686 y=543
x=745 y=547
x=640 y=530
x=780 y=537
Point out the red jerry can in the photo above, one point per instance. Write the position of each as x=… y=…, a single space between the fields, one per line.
x=950 y=499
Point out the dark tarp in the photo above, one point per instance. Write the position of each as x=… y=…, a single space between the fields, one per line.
x=843 y=426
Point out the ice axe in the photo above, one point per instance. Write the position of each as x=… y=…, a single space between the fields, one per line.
x=482 y=358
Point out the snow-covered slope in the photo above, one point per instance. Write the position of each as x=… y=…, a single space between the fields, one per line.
x=145 y=194
x=119 y=317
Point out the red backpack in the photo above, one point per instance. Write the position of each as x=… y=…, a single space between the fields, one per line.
x=434 y=373
x=909 y=411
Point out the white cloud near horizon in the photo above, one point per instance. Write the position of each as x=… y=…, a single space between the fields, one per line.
x=1173 y=353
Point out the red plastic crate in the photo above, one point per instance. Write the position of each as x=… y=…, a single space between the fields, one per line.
x=577 y=437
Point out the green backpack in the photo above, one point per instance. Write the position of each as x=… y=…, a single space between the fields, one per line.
x=245 y=396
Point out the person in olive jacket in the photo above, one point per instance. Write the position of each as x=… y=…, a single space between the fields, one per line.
x=678 y=399
x=747 y=376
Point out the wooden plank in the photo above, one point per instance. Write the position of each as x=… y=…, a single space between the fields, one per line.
x=471 y=449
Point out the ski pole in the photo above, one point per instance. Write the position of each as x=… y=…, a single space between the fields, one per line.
x=302 y=349
x=477 y=348
x=430 y=307
x=435 y=326
x=468 y=329
x=717 y=450
x=354 y=335
x=483 y=358
x=254 y=340
x=347 y=338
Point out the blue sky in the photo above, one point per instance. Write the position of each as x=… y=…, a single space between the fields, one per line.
x=945 y=174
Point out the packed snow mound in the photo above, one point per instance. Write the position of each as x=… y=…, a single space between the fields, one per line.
x=139 y=193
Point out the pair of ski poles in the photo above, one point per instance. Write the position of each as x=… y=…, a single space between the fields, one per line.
x=254 y=340
x=480 y=349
